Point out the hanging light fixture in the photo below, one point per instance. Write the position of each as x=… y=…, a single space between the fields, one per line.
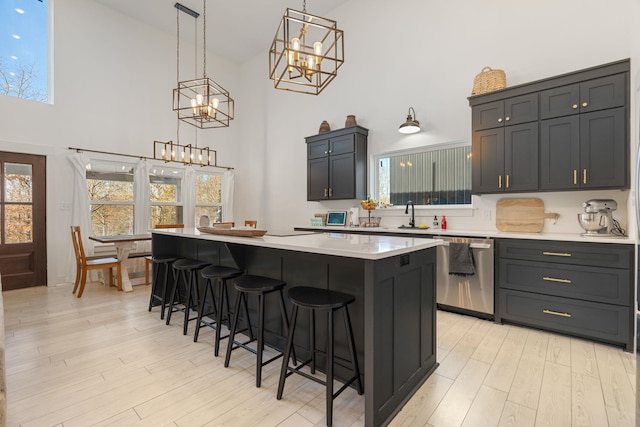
x=202 y=102
x=306 y=52
x=411 y=125
x=186 y=154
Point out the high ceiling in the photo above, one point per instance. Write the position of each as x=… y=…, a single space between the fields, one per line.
x=236 y=29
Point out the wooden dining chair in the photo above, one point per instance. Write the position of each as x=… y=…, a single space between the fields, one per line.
x=149 y=259
x=84 y=263
x=250 y=223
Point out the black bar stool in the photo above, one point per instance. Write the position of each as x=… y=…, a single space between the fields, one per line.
x=161 y=261
x=218 y=275
x=188 y=269
x=260 y=286
x=316 y=299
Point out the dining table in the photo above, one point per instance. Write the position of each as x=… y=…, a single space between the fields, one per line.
x=124 y=243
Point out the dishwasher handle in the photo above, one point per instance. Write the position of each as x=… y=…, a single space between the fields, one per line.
x=472 y=245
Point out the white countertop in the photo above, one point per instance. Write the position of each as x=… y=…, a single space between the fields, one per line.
x=495 y=234
x=338 y=244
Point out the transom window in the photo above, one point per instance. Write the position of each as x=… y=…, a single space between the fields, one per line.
x=24 y=55
x=438 y=175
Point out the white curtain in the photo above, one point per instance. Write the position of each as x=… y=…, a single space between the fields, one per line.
x=228 y=183
x=80 y=214
x=141 y=191
x=189 y=198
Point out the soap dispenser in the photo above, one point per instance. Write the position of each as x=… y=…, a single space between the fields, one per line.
x=435 y=221
x=443 y=223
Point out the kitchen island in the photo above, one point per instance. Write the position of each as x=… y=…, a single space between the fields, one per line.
x=392 y=278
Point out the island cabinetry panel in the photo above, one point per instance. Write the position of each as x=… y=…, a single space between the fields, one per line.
x=580 y=289
x=401 y=309
x=393 y=316
x=337 y=164
x=582 y=136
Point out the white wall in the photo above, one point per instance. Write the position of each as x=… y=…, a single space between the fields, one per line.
x=113 y=79
x=425 y=55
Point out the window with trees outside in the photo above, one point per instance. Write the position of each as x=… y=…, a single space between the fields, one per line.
x=18 y=202
x=166 y=196
x=435 y=175
x=24 y=55
x=111 y=198
x=209 y=196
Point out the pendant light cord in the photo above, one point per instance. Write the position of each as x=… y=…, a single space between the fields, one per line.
x=178 y=67
x=204 y=39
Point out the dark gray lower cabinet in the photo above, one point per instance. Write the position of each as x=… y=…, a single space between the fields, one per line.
x=580 y=289
x=393 y=317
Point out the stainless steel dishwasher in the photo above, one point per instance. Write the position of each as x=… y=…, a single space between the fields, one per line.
x=471 y=294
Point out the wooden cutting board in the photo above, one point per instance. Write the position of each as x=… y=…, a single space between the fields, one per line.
x=525 y=215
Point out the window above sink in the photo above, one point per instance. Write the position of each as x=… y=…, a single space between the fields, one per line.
x=435 y=175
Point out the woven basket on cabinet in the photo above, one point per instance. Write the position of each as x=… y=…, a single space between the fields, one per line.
x=489 y=80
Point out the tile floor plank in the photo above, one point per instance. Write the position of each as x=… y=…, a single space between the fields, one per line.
x=104 y=360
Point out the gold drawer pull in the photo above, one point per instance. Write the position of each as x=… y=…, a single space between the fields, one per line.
x=553 y=279
x=556 y=253
x=556 y=313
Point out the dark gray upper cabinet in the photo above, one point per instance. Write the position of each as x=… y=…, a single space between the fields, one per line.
x=511 y=111
x=592 y=95
x=572 y=133
x=505 y=159
x=337 y=164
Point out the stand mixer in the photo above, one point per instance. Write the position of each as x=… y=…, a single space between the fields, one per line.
x=597 y=218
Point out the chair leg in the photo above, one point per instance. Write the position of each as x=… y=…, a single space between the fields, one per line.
x=287 y=352
x=260 y=347
x=176 y=275
x=222 y=284
x=329 y=380
x=232 y=332
x=207 y=285
x=147 y=272
x=352 y=350
x=110 y=281
x=78 y=274
x=119 y=275
x=83 y=281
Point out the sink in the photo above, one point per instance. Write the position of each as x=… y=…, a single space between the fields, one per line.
x=408 y=226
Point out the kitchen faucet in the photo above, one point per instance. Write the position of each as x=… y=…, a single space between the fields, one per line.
x=412 y=221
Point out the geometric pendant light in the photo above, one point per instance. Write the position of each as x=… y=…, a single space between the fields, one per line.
x=306 y=52
x=202 y=102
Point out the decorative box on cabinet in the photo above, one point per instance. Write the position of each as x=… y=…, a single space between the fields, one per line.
x=582 y=142
x=575 y=288
x=337 y=164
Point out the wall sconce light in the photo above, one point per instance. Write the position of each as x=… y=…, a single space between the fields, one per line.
x=411 y=125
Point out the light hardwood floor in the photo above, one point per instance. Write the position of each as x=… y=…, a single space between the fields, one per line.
x=104 y=360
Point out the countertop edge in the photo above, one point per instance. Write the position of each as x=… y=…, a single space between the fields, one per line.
x=390 y=246
x=431 y=233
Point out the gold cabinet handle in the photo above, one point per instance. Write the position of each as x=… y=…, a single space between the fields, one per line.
x=556 y=253
x=556 y=313
x=507 y=118
x=499 y=119
x=553 y=279
x=499 y=181
x=574 y=106
x=584 y=104
x=575 y=177
x=584 y=176
x=507 y=181
x=326 y=193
